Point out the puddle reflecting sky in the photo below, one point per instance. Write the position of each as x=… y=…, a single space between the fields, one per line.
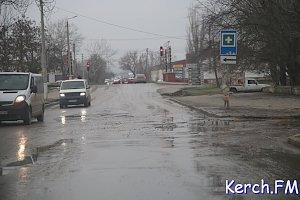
x=22 y=141
x=82 y=116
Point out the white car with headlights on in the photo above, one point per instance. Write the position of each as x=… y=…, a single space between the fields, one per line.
x=21 y=97
x=74 y=92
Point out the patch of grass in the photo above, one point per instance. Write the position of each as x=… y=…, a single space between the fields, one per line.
x=197 y=91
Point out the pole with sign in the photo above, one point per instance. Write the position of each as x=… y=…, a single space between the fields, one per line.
x=228 y=46
x=228 y=52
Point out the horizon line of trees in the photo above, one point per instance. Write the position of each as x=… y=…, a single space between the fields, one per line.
x=139 y=62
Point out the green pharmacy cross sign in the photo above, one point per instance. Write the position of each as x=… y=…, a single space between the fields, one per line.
x=228 y=43
x=228 y=40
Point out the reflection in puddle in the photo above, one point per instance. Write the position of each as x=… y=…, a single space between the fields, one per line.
x=167 y=122
x=81 y=116
x=63 y=120
x=23 y=174
x=22 y=145
x=206 y=125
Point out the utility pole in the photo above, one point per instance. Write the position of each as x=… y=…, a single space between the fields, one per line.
x=147 y=54
x=69 y=53
x=74 y=60
x=166 y=59
x=68 y=41
x=83 y=69
x=43 y=53
x=170 y=58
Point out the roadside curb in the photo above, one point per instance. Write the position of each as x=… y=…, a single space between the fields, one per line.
x=294 y=140
x=51 y=103
x=227 y=115
x=171 y=83
x=196 y=108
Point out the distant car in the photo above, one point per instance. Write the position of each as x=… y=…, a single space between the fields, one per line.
x=249 y=85
x=74 y=92
x=107 y=81
x=124 y=80
x=116 y=81
x=140 y=78
x=130 y=80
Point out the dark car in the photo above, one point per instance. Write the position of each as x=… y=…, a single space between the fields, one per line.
x=140 y=78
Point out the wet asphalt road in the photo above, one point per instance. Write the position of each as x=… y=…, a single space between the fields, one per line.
x=133 y=144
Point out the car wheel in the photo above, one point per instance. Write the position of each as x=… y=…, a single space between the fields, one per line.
x=89 y=103
x=28 y=117
x=40 y=118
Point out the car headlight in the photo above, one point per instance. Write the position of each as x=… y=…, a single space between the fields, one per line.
x=62 y=95
x=20 y=99
x=82 y=94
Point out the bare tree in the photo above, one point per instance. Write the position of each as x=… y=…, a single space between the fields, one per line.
x=57 y=42
x=6 y=21
x=20 y=5
x=130 y=61
x=25 y=37
x=101 y=55
x=154 y=58
x=103 y=49
x=269 y=33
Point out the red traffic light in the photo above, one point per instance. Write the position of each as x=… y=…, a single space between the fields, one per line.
x=88 y=64
x=161 y=49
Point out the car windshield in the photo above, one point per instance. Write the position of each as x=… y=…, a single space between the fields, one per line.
x=14 y=81
x=72 y=85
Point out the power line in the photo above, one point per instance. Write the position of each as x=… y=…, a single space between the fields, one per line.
x=119 y=26
x=129 y=39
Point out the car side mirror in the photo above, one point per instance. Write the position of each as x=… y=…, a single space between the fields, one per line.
x=88 y=87
x=34 y=89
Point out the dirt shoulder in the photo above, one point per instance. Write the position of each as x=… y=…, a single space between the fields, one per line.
x=242 y=105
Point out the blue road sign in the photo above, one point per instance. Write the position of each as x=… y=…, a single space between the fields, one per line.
x=228 y=41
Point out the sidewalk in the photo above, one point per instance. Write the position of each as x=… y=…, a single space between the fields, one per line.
x=242 y=105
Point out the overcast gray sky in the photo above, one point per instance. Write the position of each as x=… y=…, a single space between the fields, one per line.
x=160 y=17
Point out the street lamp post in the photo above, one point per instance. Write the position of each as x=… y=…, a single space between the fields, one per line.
x=68 y=41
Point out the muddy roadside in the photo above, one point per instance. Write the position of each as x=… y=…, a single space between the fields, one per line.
x=244 y=106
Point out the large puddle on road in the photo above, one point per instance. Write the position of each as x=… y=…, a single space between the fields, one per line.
x=33 y=158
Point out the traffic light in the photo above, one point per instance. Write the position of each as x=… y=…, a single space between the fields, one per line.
x=161 y=49
x=88 y=65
